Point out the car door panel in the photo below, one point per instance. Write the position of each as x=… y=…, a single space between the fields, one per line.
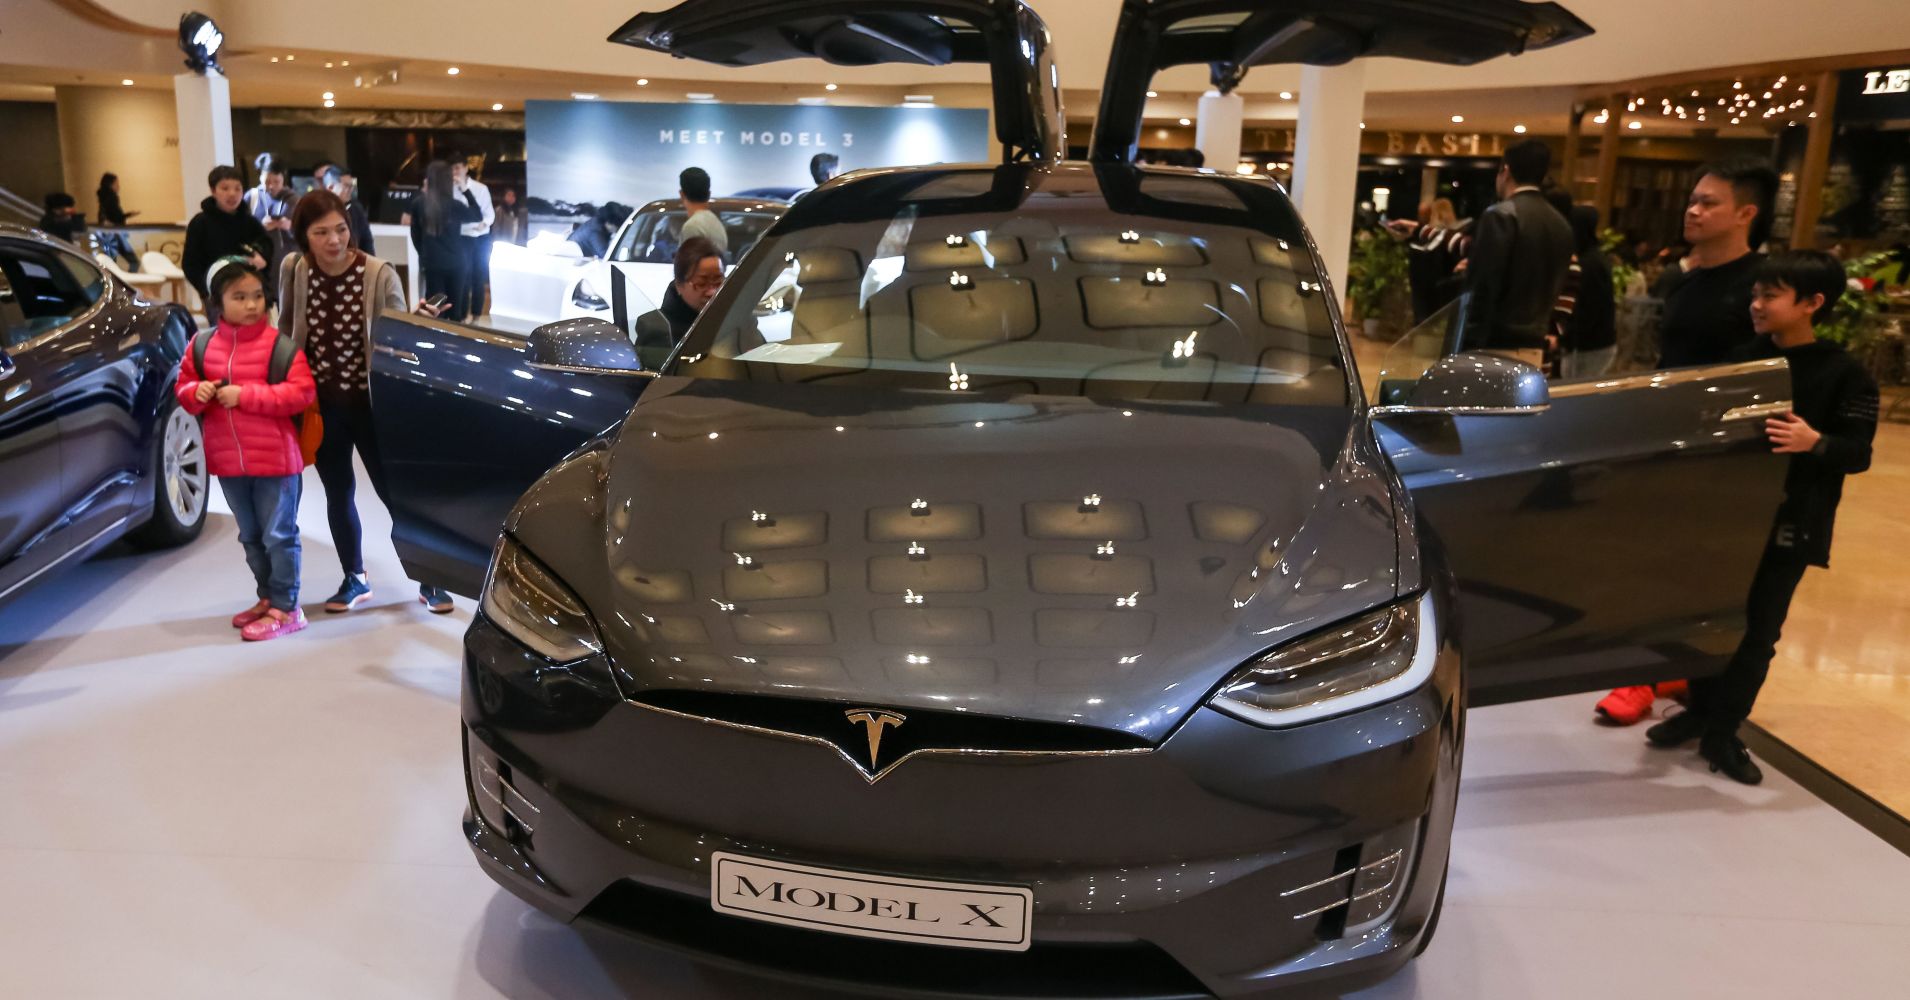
x=1610 y=538
x=465 y=425
x=29 y=452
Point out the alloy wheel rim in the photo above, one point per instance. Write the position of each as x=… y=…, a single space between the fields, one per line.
x=184 y=467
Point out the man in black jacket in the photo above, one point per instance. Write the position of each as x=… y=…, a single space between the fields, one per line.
x=1827 y=435
x=1707 y=296
x=223 y=228
x=1521 y=249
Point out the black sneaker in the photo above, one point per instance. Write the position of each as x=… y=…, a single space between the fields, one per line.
x=1729 y=755
x=356 y=590
x=1677 y=730
x=437 y=599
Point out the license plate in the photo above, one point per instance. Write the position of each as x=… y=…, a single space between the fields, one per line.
x=953 y=914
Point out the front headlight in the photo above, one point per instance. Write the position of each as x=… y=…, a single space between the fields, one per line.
x=1357 y=663
x=528 y=603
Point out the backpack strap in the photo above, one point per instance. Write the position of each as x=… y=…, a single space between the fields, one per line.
x=283 y=351
x=199 y=342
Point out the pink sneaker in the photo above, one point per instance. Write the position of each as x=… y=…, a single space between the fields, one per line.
x=272 y=624
x=251 y=614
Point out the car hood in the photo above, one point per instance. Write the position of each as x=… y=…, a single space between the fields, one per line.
x=1061 y=560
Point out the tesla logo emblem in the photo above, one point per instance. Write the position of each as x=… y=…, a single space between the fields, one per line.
x=874 y=721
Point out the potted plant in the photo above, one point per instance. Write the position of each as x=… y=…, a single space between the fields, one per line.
x=1377 y=282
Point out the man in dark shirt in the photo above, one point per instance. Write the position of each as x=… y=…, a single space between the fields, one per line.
x=1521 y=249
x=1827 y=435
x=1707 y=296
x=61 y=220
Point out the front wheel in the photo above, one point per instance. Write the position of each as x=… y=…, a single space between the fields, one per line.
x=181 y=484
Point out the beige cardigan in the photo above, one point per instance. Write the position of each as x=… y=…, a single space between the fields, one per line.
x=384 y=293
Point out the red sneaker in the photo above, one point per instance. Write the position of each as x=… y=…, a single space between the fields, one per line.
x=272 y=624
x=1678 y=691
x=1627 y=705
x=251 y=614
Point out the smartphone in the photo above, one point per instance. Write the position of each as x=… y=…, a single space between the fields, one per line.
x=438 y=301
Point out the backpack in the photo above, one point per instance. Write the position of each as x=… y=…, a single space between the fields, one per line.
x=309 y=425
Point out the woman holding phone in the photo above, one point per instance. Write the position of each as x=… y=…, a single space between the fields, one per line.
x=330 y=293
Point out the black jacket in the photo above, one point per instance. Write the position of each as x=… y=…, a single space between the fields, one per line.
x=1594 y=324
x=1833 y=393
x=111 y=213
x=213 y=234
x=442 y=250
x=660 y=330
x=360 y=221
x=1521 y=249
x=1707 y=314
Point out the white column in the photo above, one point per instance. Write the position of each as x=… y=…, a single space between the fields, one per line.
x=1217 y=130
x=1326 y=159
x=204 y=106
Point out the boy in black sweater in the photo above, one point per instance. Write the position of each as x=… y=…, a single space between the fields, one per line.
x=1827 y=433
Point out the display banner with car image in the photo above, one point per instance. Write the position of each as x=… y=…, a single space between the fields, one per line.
x=583 y=154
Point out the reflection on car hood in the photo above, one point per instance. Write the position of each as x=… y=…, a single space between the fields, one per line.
x=1041 y=558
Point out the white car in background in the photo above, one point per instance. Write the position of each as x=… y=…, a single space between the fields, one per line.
x=550 y=279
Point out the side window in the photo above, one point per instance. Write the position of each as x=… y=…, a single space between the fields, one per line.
x=50 y=288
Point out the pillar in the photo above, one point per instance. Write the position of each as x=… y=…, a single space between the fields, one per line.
x=204 y=107
x=1810 y=180
x=1574 y=133
x=1217 y=130
x=1608 y=160
x=1326 y=159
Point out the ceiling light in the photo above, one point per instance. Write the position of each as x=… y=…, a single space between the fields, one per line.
x=328 y=95
x=1362 y=124
x=578 y=95
x=829 y=87
x=1186 y=121
x=453 y=71
x=328 y=65
x=125 y=83
x=1244 y=169
x=331 y=104
x=1518 y=129
x=1153 y=93
x=1694 y=93
x=1737 y=85
x=1458 y=119
x=497 y=107
x=275 y=58
x=344 y=62
x=1286 y=95
x=700 y=96
x=1637 y=125
x=643 y=82
x=1813 y=114
x=290 y=58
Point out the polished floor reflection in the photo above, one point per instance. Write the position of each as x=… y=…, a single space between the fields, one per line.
x=190 y=817
x=1839 y=691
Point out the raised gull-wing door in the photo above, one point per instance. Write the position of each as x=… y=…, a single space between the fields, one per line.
x=1233 y=36
x=1004 y=34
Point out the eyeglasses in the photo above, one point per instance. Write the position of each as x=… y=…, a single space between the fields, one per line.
x=707 y=284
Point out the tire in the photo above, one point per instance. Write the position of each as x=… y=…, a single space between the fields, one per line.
x=182 y=483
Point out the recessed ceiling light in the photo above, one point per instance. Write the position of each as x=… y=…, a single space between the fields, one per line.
x=125 y=83
x=1186 y=121
x=331 y=104
x=578 y=95
x=497 y=107
x=1458 y=119
x=829 y=86
x=290 y=58
x=453 y=71
x=328 y=95
x=328 y=65
x=344 y=62
x=643 y=82
x=1362 y=124
x=275 y=58
x=1286 y=95
x=1636 y=125
x=1153 y=93
x=1518 y=129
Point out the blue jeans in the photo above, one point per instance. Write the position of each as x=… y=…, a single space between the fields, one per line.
x=266 y=508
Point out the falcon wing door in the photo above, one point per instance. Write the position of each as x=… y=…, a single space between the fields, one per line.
x=1233 y=36
x=1608 y=537
x=1004 y=34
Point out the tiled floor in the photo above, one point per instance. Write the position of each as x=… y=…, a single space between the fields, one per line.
x=189 y=817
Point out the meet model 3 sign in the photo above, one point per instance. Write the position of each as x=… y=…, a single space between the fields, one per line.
x=956 y=914
x=592 y=152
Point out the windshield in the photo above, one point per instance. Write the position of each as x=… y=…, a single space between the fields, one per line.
x=652 y=237
x=1163 y=286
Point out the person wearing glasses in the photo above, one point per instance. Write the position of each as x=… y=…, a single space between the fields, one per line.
x=699 y=276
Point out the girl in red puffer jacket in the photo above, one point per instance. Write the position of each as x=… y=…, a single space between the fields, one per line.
x=251 y=443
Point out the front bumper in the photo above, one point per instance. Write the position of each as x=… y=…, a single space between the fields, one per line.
x=1229 y=861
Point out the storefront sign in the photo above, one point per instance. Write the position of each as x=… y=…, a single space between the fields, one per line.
x=591 y=152
x=1400 y=144
x=1874 y=95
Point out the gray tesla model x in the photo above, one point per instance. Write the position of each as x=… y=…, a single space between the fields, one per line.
x=1007 y=587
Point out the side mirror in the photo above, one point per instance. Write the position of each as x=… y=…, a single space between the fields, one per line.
x=586 y=346
x=1473 y=383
